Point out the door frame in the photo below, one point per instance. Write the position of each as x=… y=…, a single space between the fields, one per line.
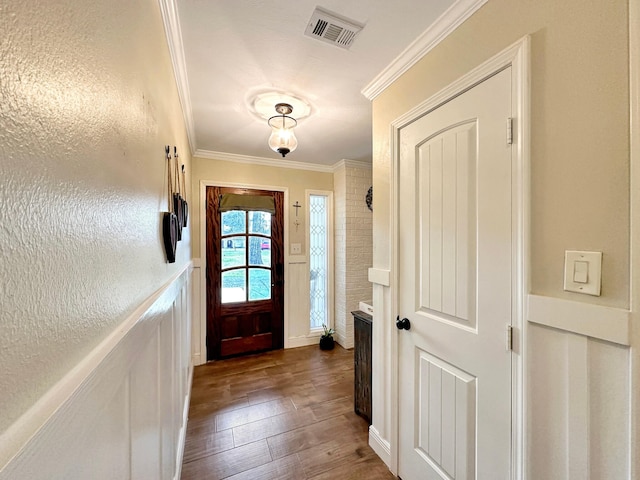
x=634 y=219
x=203 y=253
x=517 y=57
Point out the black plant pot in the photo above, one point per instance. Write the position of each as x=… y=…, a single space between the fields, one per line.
x=326 y=343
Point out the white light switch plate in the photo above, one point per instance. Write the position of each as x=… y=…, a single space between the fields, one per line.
x=576 y=279
x=296 y=249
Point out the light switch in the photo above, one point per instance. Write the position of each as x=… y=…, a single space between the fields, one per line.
x=296 y=249
x=582 y=272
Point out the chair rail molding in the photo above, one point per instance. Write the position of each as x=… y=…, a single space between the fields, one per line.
x=127 y=400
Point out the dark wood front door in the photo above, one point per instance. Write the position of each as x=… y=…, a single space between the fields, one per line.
x=245 y=274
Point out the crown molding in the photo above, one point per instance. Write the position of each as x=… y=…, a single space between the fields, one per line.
x=346 y=163
x=438 y=31
x=268 y=162
x=171 y=22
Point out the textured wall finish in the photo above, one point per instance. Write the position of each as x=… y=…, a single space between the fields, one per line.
x=353 y=247
x=88 y=101
x=127 y=419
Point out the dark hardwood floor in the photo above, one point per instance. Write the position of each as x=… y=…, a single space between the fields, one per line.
x=281 y=415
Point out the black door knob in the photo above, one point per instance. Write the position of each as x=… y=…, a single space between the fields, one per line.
x=403 y=324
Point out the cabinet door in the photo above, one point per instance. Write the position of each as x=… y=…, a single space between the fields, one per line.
x=362 y=364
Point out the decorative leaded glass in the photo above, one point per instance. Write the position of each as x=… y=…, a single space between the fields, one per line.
x=318 y=260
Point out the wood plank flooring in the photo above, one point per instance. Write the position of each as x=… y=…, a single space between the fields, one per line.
x=281 y=415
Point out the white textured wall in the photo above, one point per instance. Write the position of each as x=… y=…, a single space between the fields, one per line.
x=340 y=252
x=126 y=418
x=353 y=246
x=88 y=101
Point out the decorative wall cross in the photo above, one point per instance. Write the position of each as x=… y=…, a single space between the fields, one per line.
x=296 y=206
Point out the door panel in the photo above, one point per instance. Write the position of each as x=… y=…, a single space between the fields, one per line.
x=455 y=288
x=245 y=276
x=446 y=417
x=446 y=190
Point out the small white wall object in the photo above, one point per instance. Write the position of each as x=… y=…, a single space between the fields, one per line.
x=582 y=272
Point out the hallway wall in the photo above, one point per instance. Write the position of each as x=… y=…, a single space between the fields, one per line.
x=89 y=101
x=577 y=347
x=353 y=246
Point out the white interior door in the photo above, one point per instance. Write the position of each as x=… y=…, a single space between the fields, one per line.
x=455 y=275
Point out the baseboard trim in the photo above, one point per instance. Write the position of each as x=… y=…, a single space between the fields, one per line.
x=344 y=341
x=295 y=342
x=182 y=437
x=380 y=446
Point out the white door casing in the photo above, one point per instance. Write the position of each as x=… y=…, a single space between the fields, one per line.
x=461 y=216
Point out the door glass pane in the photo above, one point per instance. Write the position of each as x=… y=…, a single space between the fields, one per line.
x=259 y=284
x=318 y=260
x=257 y=248
x=260 y=222
x=265 y=248
x=234 y=222
x=234 y=286
x=233 y=252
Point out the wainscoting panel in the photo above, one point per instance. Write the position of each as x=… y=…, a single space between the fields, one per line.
x=297 y=322
x=198 y=325
x=125 y=415
x=578 y=406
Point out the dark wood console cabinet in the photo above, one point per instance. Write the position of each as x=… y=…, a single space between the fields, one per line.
x=362 y=363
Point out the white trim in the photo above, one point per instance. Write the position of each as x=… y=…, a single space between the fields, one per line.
x=203 y=247
x=330 y=252
x=182 y=436
x=634 y=134
x=171 y=21
x=451 y=19
x=379 y=276
x=343 y=340
x=203 y=283
x=345 y=163
x=267 y=162
x=303 y=341
x=595 y=321
x=492 y=66
x=379 y=445
x=517 y=57
x=98 y=375
x=23 y=429
x=201 y=357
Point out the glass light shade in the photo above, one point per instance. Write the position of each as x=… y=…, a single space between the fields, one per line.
x=282 y=139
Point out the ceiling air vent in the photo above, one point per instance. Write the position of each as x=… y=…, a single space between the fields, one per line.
x=332 y=28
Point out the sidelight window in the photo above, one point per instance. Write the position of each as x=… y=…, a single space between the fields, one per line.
x=320 y=236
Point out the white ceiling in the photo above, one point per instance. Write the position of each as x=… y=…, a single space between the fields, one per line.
x=234 y=49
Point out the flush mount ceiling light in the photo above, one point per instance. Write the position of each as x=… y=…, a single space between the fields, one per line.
x=282 y=139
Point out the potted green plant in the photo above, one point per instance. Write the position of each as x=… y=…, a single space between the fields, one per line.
x=326 y=340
